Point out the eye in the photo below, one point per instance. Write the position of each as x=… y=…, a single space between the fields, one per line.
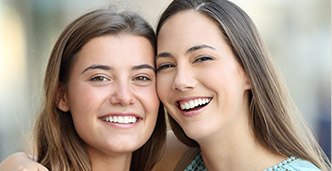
x=99 y=79
x=203 y=58
x=164 y=66
x=142 y=78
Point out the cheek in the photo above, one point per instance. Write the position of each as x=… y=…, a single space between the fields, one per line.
x=164 y=85
x=84 y=104
x=148 y=98
x=84 y=101
x=150 y=102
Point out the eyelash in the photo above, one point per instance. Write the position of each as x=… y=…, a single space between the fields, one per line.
x=99 y=78
x=203 y=58
x=142 y=78
x=198 y=59
x=164 y=66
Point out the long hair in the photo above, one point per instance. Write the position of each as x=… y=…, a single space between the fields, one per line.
x=58 y=147
x=275 y=120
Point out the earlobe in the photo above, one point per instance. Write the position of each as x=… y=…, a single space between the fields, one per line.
x=62 y=102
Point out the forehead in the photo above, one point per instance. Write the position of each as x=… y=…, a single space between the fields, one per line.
x=189 y=28
x=117 y=49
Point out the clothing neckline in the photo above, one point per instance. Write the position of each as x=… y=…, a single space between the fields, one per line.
x=281 y=164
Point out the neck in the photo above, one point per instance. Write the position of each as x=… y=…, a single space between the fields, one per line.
x=233 y=149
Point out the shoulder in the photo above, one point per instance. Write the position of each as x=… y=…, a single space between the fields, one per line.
x=175 y=149
x=294 y=164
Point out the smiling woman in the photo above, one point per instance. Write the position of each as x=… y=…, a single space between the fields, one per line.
x=99 y=111
x=113 y=103
x=224 y=95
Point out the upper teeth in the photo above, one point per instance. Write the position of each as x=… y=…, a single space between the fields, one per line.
x=120 y=119
x=193 y=103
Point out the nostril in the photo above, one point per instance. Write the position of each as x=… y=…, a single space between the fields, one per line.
x=183 y=82
x=122 y=98
x=182 y=87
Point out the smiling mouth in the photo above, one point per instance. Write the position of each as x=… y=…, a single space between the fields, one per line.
x=120 y=119
x=193 y=104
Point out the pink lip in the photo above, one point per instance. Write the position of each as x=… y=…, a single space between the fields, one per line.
x=121 y=125
x=187 y=99
x=121 y=114
x=193 y=112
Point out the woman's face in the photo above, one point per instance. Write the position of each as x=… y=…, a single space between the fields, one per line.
x=198 y=78
x=111 y=94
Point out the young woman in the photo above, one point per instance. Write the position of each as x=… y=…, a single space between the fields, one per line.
x=224 y=95
x=99 y=111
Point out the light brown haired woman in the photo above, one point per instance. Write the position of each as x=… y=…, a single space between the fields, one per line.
x=100 y=108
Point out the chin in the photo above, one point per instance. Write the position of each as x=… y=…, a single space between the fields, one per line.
x=125 y=148
x=196 y=132
x=125 y=145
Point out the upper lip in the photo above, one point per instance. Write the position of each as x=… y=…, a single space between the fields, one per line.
x=121 y=114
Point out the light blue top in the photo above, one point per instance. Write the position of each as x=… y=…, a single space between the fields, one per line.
x=293 y=164
x=197 y=164
x=290 y=164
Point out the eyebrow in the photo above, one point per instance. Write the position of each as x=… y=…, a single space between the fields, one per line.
x=107 y=67
x=190 y=50
x=143 y=66
x=198 y=47
x=97 y=66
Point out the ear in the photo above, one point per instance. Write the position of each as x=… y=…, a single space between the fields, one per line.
x=247 y=83
x=244 y=75
x=62 y=101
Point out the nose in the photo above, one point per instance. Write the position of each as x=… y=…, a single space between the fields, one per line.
x=184 y=79
x=122 y=94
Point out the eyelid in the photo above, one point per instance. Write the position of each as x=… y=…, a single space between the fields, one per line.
x=200 y=57
x=165 y=65
x=93 y=78
x=143 y=80
x=142 y=76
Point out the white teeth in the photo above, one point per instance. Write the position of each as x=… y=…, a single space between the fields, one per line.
x=120 y=119
x=193 y=103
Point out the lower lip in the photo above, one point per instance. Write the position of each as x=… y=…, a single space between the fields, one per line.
x=121 y=126
x=192 y=112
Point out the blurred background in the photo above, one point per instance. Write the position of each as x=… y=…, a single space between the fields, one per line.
x=297 y=33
